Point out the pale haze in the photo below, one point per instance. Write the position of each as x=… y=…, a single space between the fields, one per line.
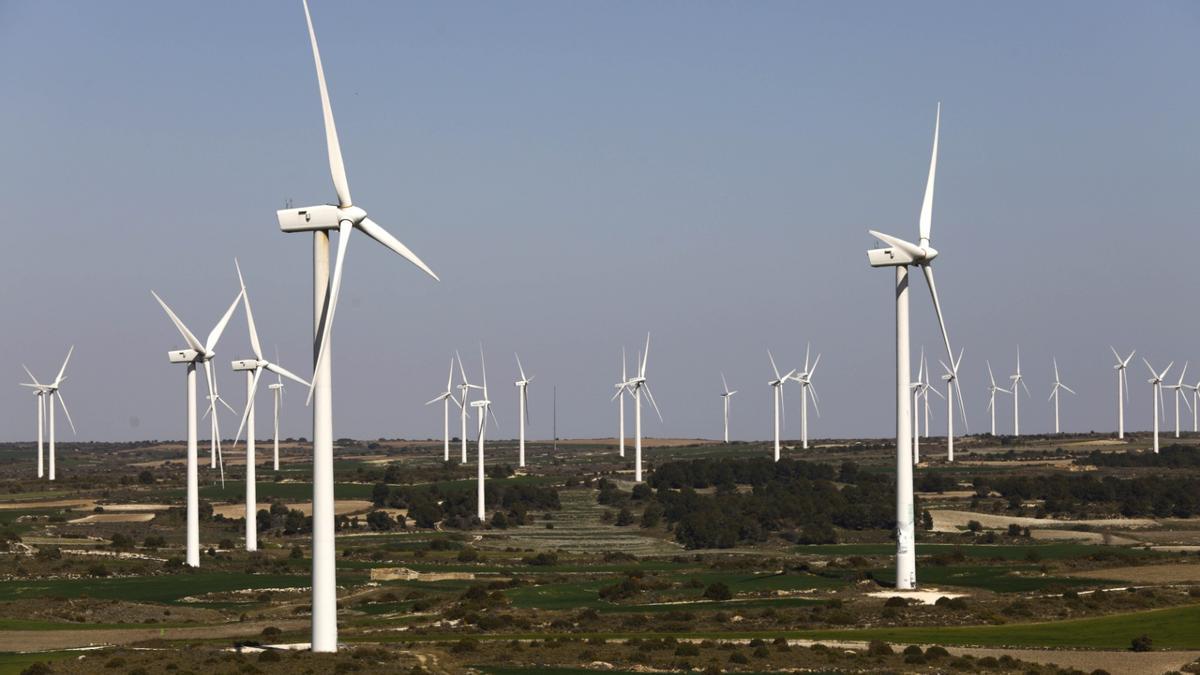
x=581 y=173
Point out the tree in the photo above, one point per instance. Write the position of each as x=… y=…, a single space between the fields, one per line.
x=974 y=526
x=927 y=520
x=146 y=477
x=652 y=514
x=624 y=517
x=380 y=521
x=1142 y=643
x=379 y=494
x=499 y=520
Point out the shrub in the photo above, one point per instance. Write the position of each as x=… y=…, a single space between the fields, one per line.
x=879 y=648
x=718 y=590
x=465 y=645
x=1142 y=643
x=896 y=601
x=269 y=657
x=624 y=517
x=271 y=631
x=687 y=649
x=738 y=657
x=468 y=554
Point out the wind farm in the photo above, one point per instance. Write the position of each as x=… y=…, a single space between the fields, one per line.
x=585 y=178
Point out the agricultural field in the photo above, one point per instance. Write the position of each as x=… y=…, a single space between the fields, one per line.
x=1050 y=554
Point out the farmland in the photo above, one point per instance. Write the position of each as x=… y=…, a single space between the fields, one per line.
x=577 y=565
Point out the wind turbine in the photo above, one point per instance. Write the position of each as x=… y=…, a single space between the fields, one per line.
x=483 y=407
x=1122 y=388
x=1155 y=381
x=622 y=387
x=523 y=392
x=1195 y=405
x=196 y=352
x=51 y=390
x=277 y=395
x=636 y=385
x=992 y=389
x=921 y=391
x=446 y=397
x=345 y=217
x=777 y=397
x=1017 y=382
x=39 y=391
x=900 y=254
x=805 y=380
x=254 y=369
x=1178 y=387
x=953 y=388
x=1055 y=393
x=725 y=400
x=464 y=393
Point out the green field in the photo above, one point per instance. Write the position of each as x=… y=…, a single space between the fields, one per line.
x=996 y=578
x=165 y=588
x=1057 y=551
x=13 y=664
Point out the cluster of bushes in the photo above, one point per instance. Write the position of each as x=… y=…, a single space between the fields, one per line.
x=454 y=504
x=792 y=496
x=1160 y=496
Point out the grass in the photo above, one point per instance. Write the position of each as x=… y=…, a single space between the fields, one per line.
x=996 y=578
x=1172 y=628
x=12 y=663
x=165 y=588
x=1057 y=551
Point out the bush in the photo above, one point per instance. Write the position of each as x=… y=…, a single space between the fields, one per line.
x=468 y=554
x=297 y=553
x=896 y=601
x=271 y=631
x=465 y=645
x=269 y=657
x=38 y=668
x=718 y=590
x=121 y=540
x=1141 y=643
x=624 y=517
x=738 y=657
x=879 y=648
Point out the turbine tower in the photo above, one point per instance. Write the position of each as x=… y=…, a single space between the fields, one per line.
x=953 y=392
x=777 y=398
x=39 y=391
x=1195 y=405
x=483 y=407
x=636 y=385
x=725 y=400
x=805 y=380
x=1058 y=387
x=277 y=395
x=50 y=390
x=992 y=389
x=1178 y=387
x=464 y=393
x=1155 y=381
x=523 y=413
x=1122 y=388
x=446 y=397
x=345 y=217
x=921 y=389
x=196 y=352
x=901 y=254
x=1017 y=383
x=254 y=369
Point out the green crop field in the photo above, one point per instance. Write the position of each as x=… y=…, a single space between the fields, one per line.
x=1058 y=551
x=996 y=578
x=1172 y=628
x=164 y=588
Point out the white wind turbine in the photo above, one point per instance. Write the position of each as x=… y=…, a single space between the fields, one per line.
x=345 y=217
x=39 y=392
x=777 y=385
x=523 y=413
x=254 y=369
x=992 y=389
x=725 y=400
x=900 y=254
x=1195 y=405
x=1178 y=387
x=446 y=397
x=47 y=408
x=1122 y=388
x=921 y=389
x=1055 y=393
x=1155 y=381
x=464 y=394
x=196 y=352
x=622 y=387
x=1017 y=383
x=483 y=408
x=805 y=379
x=636 y=385
x=277 y=394
x=953 y=391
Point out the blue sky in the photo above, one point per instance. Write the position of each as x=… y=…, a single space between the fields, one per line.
x=581 y=173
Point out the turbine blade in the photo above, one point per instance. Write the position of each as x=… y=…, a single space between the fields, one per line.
x=724 y=384
x=651 y=397
x=773 y=366
x=624 y=376
x=520 y=367
x=937 y=307
x=376 y=232
x=990 y=375
x=254 y=344
x=814 y=366
x=344 y=229
x=35 y=382
x=188 y=337
x=816 y=400
x=645 y=355
x=336 y=169
x=1069 y=389
x=895 y=242
x=249 y=405
x=220 y=327
x=284 y=372
x=63 y=404
x=927 y=203
x=68 y=359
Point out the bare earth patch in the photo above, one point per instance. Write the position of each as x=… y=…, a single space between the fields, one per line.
x=113 y=518
x=1147 y=574
x=341 y=507
x=946 y=520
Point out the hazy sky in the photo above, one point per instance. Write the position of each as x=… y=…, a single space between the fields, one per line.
x=581 y=173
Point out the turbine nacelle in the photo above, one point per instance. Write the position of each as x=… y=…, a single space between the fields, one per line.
x=314 y=218
x=183 y=356
x=248 y=364
x=900 y=252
